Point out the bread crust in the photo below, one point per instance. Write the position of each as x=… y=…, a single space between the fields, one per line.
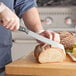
x=67 y=39
x=43 y=52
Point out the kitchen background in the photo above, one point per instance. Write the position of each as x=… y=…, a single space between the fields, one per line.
x=55 y=15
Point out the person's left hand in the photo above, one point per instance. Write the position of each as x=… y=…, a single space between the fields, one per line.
x=50 y=35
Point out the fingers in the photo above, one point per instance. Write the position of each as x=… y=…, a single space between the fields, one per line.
x=10 y=23
x=1 y=22
x=55 y=37
x=9 y=19
x=51 y=35
x=46 y=34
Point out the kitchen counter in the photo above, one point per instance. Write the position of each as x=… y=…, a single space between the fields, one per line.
x=28 y=66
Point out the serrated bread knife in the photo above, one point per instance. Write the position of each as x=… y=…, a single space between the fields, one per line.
x=41 y=38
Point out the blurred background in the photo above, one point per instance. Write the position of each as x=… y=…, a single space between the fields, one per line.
x=56 y=2
x=55 y=15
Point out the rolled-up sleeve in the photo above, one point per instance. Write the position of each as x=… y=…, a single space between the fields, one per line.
x=22 y=6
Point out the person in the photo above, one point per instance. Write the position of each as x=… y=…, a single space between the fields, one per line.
x=9 y=21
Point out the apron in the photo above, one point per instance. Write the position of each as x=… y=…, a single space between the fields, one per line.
x=5 y=39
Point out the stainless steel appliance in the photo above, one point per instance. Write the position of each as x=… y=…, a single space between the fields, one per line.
x=58 y=18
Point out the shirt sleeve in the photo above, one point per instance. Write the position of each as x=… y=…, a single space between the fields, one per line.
x=22 y=6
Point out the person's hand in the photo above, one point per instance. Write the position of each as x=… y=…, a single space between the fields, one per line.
x=8 y=18
x=51 y=35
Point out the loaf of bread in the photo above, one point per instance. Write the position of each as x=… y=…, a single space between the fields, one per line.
x=67 y=39
x=48 y=54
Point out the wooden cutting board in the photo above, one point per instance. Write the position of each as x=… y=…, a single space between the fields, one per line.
x=29 y=66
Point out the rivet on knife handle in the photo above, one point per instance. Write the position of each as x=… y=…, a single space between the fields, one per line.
x=23 y=29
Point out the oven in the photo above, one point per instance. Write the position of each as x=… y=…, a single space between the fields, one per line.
x=54 y=16
x=58 y=18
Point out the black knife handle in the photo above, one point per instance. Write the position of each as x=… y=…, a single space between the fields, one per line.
x=23 y=29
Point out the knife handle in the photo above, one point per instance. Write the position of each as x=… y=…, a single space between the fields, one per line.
x=23 y=29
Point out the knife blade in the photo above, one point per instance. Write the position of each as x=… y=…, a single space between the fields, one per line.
x=41 y=38
x=71 y=56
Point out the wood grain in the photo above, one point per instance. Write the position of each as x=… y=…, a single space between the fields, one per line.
x=29 y=66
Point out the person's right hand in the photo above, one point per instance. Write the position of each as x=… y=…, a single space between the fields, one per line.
x=8 y=18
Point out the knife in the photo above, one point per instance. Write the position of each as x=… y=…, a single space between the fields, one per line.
x=71 y=56
x=40 y=38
